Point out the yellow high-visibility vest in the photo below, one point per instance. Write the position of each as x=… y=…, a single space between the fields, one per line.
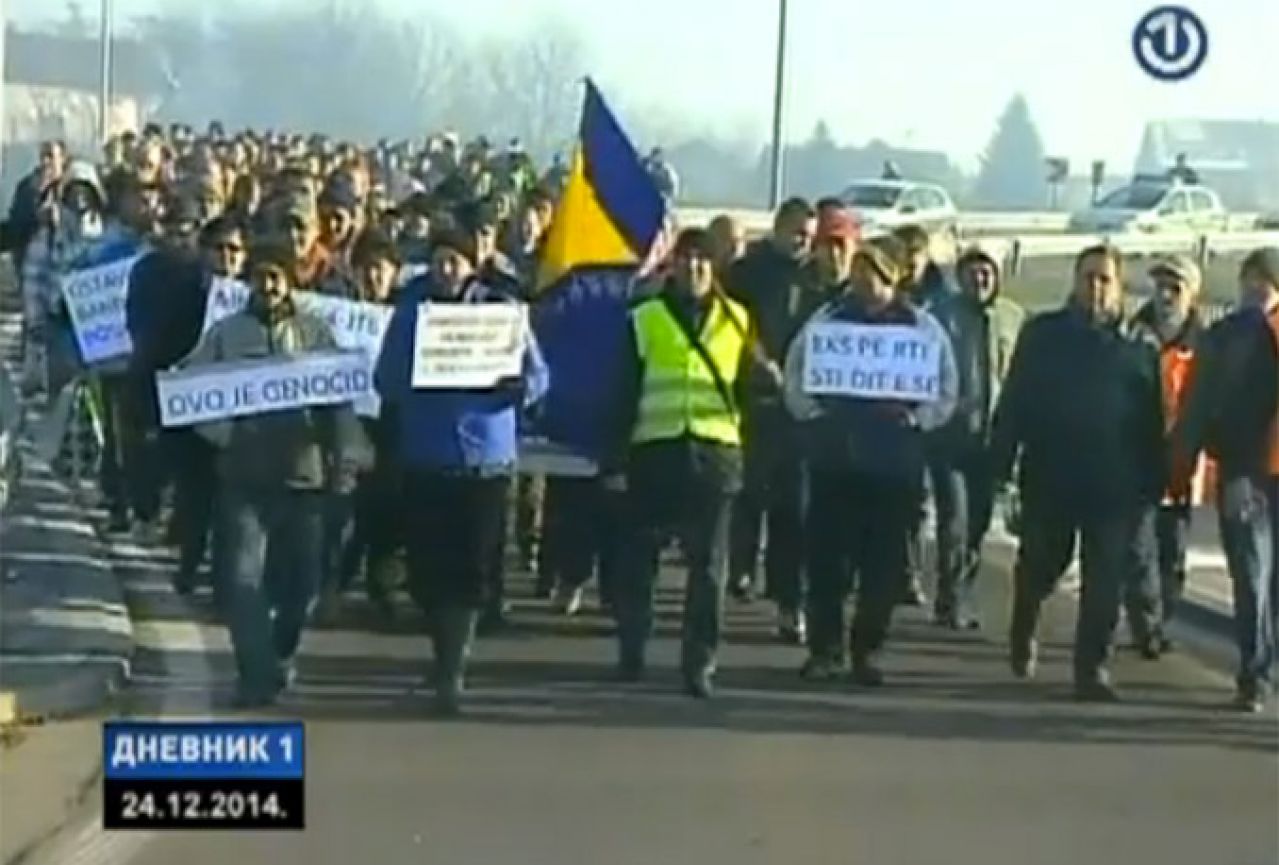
x=678 y=396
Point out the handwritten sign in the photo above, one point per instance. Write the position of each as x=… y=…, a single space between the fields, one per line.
x=872 y=362
x=96 y=299
x=468 y=345
x=356 y=325
x=241 y=388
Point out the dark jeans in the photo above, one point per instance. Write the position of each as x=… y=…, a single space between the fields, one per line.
x=196 y=483
x=580 y=533
x=1048 y=539
x=685 y=490
x=454 y=529
x=135 y=459
x=964 y=494
x=772 y=499
x=858 y=524
x=1158 y=577
x=268 y=606
x=530 y=493
x=366 y=533
x=1249 y=513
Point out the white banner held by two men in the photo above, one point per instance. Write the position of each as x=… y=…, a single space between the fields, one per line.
x=240 y=388
x=356 y=325
x=96 y=298
x=892 y=362
x=461 y=345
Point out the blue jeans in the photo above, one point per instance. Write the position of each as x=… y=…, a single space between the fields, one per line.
x=964 y=493
x=268 y=606
x=1249 y=513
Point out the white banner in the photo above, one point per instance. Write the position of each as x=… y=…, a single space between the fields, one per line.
x=240 y=388
x=356 y=325
x=467 y=345
x=894 y=362
x=96 y=300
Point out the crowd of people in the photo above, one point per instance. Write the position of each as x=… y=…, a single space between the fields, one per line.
x=1089 y=424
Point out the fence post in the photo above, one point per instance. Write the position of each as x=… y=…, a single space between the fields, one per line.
x=1202 y=252
x=1014 y=257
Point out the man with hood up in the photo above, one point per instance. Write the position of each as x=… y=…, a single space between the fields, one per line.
x=69 y=226
x=983 y=327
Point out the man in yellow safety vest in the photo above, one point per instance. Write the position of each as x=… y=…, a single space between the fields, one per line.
x=680 y=430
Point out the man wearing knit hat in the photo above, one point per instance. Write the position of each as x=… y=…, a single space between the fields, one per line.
x=458 y=450
x=1231 y=411
x=276 y=471
x=865 y=454
x=1170 y=323
x=679 y=436
x=983 y=326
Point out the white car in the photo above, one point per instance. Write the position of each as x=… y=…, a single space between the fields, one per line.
x=883 y=205
x=1153 y=206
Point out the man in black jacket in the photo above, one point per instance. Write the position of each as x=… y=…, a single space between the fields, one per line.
x=770 y=282
x=1082 y=407
x=1231 y=412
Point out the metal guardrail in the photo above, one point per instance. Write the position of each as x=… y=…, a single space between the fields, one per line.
x=1202 y=246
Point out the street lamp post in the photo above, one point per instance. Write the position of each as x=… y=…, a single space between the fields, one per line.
x=106 y=50
x=779 y=88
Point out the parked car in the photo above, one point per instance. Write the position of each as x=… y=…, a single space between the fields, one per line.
x=1154 y=205
x=1268 y=221
x=883 y=205
x=10 y=428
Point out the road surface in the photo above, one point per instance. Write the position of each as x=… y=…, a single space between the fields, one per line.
x=953 y=762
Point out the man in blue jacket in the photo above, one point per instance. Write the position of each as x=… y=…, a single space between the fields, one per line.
x=458 y=449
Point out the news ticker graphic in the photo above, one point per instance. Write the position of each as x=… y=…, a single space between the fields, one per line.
x=203 y=775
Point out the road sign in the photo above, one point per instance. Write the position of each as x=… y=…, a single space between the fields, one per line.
x=1170 y=43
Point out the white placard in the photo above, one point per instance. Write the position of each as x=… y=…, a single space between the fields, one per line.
x=240 y=388
x=356 y=325
x=96 y=298
x=468 y=345
x=872 y=362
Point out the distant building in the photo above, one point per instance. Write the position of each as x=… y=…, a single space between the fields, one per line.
x=1238 y=158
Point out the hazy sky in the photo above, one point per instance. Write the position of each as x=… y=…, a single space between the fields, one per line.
x=931 y=73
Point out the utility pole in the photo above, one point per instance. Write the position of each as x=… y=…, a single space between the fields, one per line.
x=106 y=50
x=779 y=99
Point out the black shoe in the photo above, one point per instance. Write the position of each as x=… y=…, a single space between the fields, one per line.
x=742 y=590
x=699 y=684
x=1166 y=645
x=1249 y=699
x=630 y=671
x=1151 y=648
x=867 y=674
x=184 y=584
x=822 y=669
x=254 y=698
x=914 y=595
x=1025 y=659
x=1095 y=690
x=493 y=620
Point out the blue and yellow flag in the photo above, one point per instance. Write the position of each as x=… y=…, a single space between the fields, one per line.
x=611 y=212
x=605 y=225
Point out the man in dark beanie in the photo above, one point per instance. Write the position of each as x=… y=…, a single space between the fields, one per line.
x=275 y=472
x=1231 y=411
x=457 y=448
x=679 y=439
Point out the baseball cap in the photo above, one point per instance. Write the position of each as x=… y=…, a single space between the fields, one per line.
x=1180 y=266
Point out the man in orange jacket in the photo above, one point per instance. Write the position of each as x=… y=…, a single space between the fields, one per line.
x=1170 y=322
